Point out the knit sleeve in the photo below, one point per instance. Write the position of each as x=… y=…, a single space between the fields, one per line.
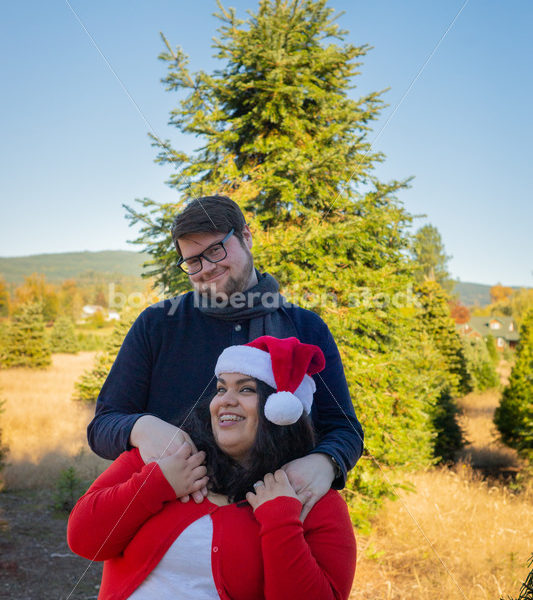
x=311 y=561
x=124 y=395
x=108 y=515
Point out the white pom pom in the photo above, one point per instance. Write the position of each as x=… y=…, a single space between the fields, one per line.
x=283 y=408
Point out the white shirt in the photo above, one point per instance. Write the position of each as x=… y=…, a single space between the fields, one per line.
x=184 y=572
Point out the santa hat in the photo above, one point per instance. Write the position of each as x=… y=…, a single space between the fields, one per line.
x=284 y=364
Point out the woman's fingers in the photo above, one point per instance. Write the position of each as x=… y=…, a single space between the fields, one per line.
x=280 y=476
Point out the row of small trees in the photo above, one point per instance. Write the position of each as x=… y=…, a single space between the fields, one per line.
x=25 y=341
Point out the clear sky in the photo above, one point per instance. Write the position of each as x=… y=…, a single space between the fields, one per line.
x=75 y=148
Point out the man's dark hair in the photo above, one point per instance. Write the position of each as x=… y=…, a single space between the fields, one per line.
x=275 y=445
x=208 y=214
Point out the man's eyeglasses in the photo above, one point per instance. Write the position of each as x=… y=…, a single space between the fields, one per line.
x=213 y=254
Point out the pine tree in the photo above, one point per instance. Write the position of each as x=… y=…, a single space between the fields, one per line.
x=481 y=364
x=430 y=256
x=27 y=344
x=437 y=322
x=281 y=136
x=90 y=383
x=514 y=415
x=63 y=336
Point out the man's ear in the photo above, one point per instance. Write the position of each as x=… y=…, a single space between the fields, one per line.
x=247 y=236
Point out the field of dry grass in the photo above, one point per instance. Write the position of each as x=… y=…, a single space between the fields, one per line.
x=42 y=427
x=457 y=537
x=460 y=536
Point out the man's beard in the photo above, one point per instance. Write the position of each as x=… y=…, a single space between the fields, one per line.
x=232 y=285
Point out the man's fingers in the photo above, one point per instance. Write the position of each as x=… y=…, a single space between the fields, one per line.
x=187 y=438
x=308 y=500
x=184 y=498
x=185 y=450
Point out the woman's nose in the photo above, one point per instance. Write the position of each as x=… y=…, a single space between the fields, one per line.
x=229 y=398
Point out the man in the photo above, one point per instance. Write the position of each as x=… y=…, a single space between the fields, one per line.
x=167 y=359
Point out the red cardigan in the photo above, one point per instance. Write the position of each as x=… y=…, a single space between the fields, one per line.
x=130 y=516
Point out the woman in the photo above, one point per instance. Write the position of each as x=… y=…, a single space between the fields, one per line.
x=245 y=541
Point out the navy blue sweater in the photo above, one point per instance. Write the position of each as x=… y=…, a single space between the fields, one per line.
x=167 y=362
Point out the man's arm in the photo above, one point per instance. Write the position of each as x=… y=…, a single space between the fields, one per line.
x=124 y=395
x=340 y=435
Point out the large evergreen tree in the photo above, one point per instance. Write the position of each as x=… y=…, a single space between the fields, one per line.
x=27 y=342
x=514 y=415
x=282 y=136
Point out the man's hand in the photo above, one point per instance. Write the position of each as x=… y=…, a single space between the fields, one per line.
x=311 y=477
x=273 y=486
x=184 y=470
x=156 y=439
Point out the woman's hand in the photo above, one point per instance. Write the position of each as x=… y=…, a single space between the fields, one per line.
x=273 y=486
x=184 y=470
x=157 y=439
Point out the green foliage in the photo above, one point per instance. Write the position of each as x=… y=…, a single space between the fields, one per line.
x=90 y=383
x=88 y=342
x=429 y=254
x=481 y=365
x=280 y=135
x=436 y=319
x=68 y=489
x=455 y=379
x=514 y=415
x=4 y=298
x=63 y=337
x=492 y=350
x=27 y=343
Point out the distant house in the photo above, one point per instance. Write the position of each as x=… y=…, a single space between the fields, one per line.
x=502 y=329
x=91 y=309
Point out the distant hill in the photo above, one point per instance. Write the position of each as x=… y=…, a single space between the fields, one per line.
x=471 y=294
x=71 y=265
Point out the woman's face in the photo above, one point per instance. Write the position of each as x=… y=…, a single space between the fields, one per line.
x=234 y=414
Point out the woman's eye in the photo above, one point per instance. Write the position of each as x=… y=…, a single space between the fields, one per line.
x=220 y=390
x=248 y=389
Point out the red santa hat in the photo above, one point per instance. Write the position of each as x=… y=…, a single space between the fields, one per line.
x=284 y=364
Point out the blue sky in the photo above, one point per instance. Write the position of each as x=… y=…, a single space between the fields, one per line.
x=75 y=148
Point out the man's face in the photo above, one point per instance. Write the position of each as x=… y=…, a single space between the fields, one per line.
x=233 y=274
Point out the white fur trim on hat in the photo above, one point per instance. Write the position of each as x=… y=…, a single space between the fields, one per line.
x=283 y=408
x=248 y=361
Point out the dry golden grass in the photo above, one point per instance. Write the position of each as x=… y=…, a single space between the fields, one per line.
x=484 y=449
x=44 y=429
x=458 y=537
x=480 y=532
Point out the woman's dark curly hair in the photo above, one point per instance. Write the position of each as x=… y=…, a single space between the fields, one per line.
x=275 y=445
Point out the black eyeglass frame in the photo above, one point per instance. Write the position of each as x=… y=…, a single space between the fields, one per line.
x=182 y=260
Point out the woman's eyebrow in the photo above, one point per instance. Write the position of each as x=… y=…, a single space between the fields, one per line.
x=239 y=381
